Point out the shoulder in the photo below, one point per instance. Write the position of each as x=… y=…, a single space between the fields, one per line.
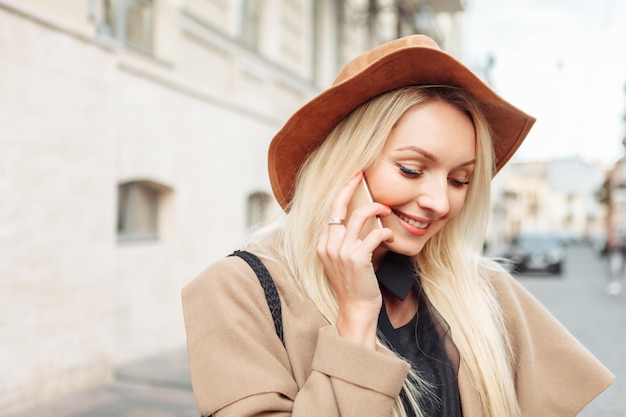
x=233 y=272
x=524 y=316
x=227 y=273
x=227 y=298
x=508 y=291
x=231 y=284
x=551 y=365
x=224 y=290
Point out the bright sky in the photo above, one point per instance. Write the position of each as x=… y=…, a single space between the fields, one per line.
x=564 y=62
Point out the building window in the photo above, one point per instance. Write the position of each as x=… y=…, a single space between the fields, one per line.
x=259 y=209
x=138 y=210
x=250 y=21
x=509 y=195
x=130 y=22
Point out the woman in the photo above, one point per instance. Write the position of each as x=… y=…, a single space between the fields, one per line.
x=406 y=319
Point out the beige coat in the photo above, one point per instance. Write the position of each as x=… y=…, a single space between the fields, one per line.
x=240 y=368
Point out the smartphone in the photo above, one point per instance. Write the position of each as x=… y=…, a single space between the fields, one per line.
x=361 y=197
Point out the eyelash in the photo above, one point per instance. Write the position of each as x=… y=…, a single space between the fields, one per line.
x=416 y=173
x=408 y=171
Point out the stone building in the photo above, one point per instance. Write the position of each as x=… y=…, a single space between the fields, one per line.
x=133 y=136
x=613 y=198
x=555 y=196
x=612 y=195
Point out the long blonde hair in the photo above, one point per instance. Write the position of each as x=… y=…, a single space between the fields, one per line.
x=452 y=271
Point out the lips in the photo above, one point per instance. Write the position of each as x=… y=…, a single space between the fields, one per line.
x=411 y=221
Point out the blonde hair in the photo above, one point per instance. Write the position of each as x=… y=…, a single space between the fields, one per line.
x=452 y=272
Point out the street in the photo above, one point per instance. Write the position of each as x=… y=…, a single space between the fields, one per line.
x=579 y=300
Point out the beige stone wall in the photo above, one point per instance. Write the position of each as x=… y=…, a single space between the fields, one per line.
x=77 y=119
x=209 y=156
x=66 y=13
x=57 y=165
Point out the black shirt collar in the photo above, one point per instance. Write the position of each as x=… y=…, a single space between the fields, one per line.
x=396 y=275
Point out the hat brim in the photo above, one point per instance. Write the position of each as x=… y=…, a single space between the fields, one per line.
x=403 y=64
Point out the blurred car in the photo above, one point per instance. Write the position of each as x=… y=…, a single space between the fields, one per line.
x=541 y=252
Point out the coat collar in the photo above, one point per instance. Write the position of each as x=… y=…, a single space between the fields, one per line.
x=396 y=275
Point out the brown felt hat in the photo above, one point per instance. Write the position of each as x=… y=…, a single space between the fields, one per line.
x=412 y=60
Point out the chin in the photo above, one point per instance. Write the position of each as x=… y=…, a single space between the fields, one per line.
x=405 y=249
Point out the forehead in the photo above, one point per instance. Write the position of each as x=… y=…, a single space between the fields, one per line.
x=437 y=127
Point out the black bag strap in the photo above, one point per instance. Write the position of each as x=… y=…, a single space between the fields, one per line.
x=271 y=295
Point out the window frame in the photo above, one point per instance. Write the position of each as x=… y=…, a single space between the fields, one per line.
x=118 y=23
x=139 y=210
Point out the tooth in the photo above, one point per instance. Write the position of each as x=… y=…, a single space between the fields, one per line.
x=414 y=222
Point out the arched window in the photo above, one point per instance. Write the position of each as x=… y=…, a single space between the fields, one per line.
x=130 y=22
x=259 y=209
x=139 y=208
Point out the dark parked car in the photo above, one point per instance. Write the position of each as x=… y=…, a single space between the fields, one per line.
x=542 y=252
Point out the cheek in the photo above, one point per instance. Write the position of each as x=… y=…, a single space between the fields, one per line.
x=389 y=196
x=393 y=195
x=457 y=201
x=386 y=201
x=387 y=192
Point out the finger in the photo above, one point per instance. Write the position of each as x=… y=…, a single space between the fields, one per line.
x=375 y=237
x=339 y=206
x=365 y=219
x=335 y=227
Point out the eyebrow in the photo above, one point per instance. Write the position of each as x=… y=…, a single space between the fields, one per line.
x=430 y=156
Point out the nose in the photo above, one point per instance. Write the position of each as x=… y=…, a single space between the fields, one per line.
x=433 y=196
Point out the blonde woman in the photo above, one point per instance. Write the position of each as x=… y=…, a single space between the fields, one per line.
x=403 y=318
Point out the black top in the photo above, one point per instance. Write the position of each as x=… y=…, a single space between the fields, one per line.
x=419 y=341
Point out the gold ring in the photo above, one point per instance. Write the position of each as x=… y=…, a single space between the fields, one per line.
x=335 y=220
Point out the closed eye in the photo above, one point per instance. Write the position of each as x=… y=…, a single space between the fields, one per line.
x=408 y=171
x=455 y=182
x=458 y=183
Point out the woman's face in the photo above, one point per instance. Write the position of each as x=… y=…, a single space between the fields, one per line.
x=423 y=173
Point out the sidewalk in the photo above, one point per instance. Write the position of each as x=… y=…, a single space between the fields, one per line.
x=154 y=387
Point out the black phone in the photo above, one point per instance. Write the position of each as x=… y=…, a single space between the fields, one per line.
x=361 y=197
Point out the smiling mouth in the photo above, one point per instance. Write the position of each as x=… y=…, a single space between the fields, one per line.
x=410 y=221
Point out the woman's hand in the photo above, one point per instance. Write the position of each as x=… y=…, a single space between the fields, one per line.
x=348 y=264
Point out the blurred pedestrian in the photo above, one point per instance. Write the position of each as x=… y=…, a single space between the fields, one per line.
x=615 y=255
x=403 y=318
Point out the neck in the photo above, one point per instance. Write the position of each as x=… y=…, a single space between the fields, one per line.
x=400 y=312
